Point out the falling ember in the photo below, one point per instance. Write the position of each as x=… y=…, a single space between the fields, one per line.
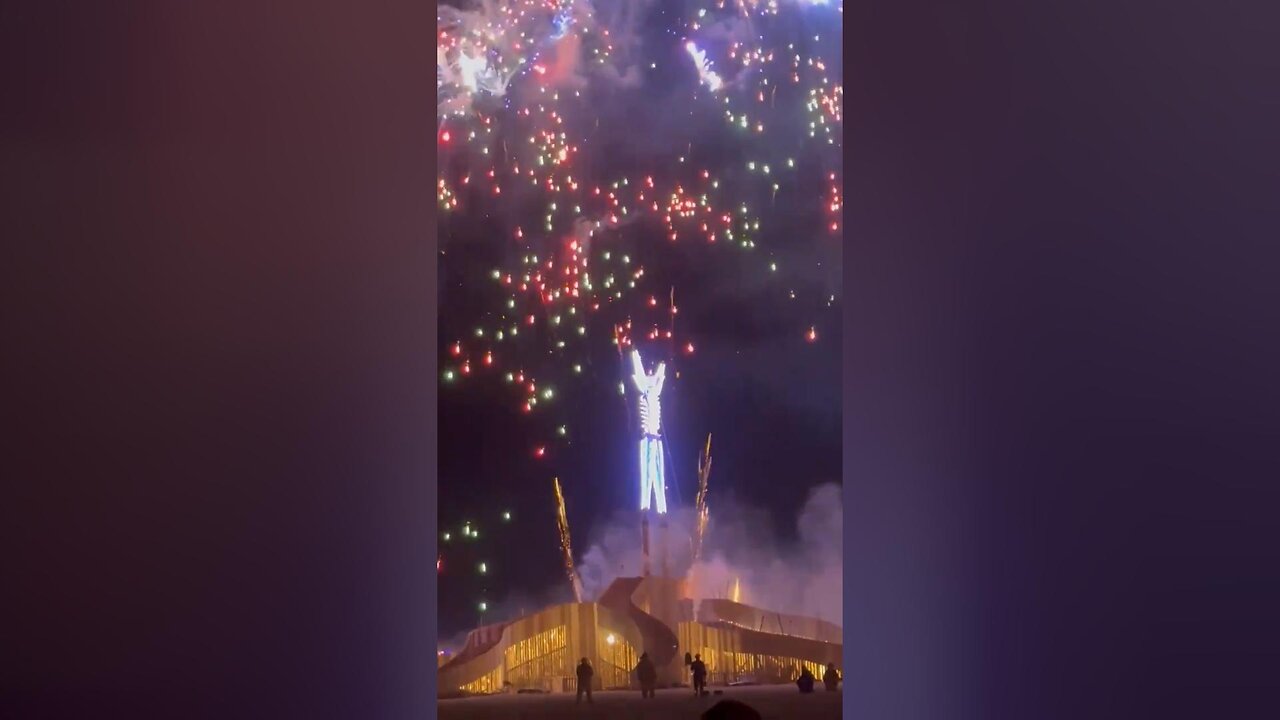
x=456 y=349
x=812 y=335
x=541 y=451
x=689 y=348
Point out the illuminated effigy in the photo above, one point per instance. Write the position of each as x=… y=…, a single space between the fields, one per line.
x=653 y=491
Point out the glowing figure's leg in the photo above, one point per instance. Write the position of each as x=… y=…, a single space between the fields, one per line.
x=653 y=479
x=645 y=478
x=660 y=477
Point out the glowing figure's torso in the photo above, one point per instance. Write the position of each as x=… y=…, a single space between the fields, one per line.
x=651 y=411
x=650 y=387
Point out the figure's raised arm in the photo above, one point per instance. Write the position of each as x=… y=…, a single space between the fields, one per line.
x=659 y=376
x=638 y=377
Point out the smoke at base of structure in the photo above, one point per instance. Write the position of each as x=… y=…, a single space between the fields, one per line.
x=804 y=577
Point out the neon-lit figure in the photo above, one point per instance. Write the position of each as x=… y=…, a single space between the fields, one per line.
x=652 y=464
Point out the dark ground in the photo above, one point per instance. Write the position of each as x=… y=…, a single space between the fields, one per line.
x=775 y=702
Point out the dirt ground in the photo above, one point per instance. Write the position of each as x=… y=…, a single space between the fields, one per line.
x=775 y=702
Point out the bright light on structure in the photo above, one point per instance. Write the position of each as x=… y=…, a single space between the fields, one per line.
x=652 y=463
x=705 y=73
x=611 y=639
x=472 y=68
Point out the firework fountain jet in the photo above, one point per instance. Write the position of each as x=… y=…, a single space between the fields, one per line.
x=562 y=521
x=653 y=488
x=704 y=473
x=701 y=511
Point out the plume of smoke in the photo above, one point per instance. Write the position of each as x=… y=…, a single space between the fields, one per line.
x=454 y=643
x=478 y=51
x=517 y=604
x=628 y=78
x=562 y=69
x=801 y=578
x=481 y=49
x=618 y=23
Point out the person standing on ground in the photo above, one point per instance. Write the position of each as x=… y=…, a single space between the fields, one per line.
x=584 y=680
x=647 y=674
x=805 y=681
x=831 y=678
x=699 y=670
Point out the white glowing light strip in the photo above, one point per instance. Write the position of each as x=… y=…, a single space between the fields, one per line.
x=705 y=73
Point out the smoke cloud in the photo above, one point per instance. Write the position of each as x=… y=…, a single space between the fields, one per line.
x=804 y=577
x=484 y=29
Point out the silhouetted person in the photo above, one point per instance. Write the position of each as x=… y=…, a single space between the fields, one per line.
x=805 y=681
x=731 y=710
x=699 y=670
x=831 y=678
x=584 y=680
x=647 y=674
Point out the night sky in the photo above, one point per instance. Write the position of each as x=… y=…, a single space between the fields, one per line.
x=767 y=392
